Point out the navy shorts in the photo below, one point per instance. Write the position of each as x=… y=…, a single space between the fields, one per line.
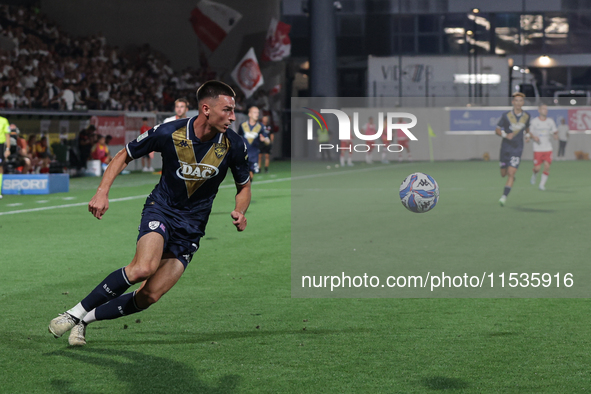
x=253 y=166
x=2 y=149
x=510 y=158
x=266 y=148
x=181 y=236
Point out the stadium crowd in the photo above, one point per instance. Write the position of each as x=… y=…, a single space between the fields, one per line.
x=42 y=67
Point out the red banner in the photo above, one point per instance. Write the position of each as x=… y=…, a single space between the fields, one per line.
x=579 y=119
x=110 y=125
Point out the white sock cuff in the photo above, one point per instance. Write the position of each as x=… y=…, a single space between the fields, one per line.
x=78 y=311
x=89 y=318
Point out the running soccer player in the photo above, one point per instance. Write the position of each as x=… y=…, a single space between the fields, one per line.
x=402 y=140
x=542 y=129
x=385 y=141
x=346 y=146
x=370 y=129
x=265 y=151
x=196 y=156
x=512 y=127
x=254 y=135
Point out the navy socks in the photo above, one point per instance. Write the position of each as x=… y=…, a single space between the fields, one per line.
x=121 y=306
x=113 y=286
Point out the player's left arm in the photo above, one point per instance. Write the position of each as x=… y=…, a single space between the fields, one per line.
x=243 y=195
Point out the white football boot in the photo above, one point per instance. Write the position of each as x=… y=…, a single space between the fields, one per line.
x=61 y=324
x=78 y=335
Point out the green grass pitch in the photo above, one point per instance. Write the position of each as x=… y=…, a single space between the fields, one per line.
x=231 y=326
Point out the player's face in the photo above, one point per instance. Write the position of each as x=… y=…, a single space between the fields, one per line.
x=253 y=114
x=517 y=102
x=543 y=110
x=221 y=113
x=180 y=109
x=370 y=120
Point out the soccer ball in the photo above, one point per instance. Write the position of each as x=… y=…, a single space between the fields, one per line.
x=419 y=192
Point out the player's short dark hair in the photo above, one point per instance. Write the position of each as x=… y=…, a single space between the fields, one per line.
x=518 y=94
x=145 y=119
x=214 y=89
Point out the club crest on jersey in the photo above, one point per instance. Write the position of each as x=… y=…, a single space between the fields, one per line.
x=153 y=225
x=219 y=150
x=196 y=172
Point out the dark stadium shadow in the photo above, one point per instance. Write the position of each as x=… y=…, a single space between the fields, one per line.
x=143 y=373
x=443 y=383
x=181 y=338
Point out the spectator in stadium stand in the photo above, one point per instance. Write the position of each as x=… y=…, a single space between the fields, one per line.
x=146 y=159
x=42 y=152
x=31 y=141
x=85 y=143
x=100 y=151
x=19 y=151
x=68 y=98
x=45 y=56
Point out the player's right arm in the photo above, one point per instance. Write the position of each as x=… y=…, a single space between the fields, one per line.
x=501 y=126
x=99 y=204
x=147 y=142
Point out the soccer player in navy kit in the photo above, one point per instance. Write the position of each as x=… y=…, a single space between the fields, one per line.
x=196 y=155
x=512 y=127
x=254 y=135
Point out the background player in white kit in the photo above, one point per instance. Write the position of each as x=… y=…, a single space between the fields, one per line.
x=370 y=129
x=542 y=129
x=181 y=106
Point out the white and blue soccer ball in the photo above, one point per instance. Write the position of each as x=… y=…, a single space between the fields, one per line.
x=419 y=192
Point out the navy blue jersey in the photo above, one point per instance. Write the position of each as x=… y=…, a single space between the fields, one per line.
x=516 y=124
x=192 y=170
x=251 y=136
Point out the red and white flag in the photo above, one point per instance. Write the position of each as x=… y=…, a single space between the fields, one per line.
x=276 y=89
x=247 y=73
x=277 y=43
x=213 y=21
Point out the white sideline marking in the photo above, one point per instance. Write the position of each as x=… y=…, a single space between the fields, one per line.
x=79 y=204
